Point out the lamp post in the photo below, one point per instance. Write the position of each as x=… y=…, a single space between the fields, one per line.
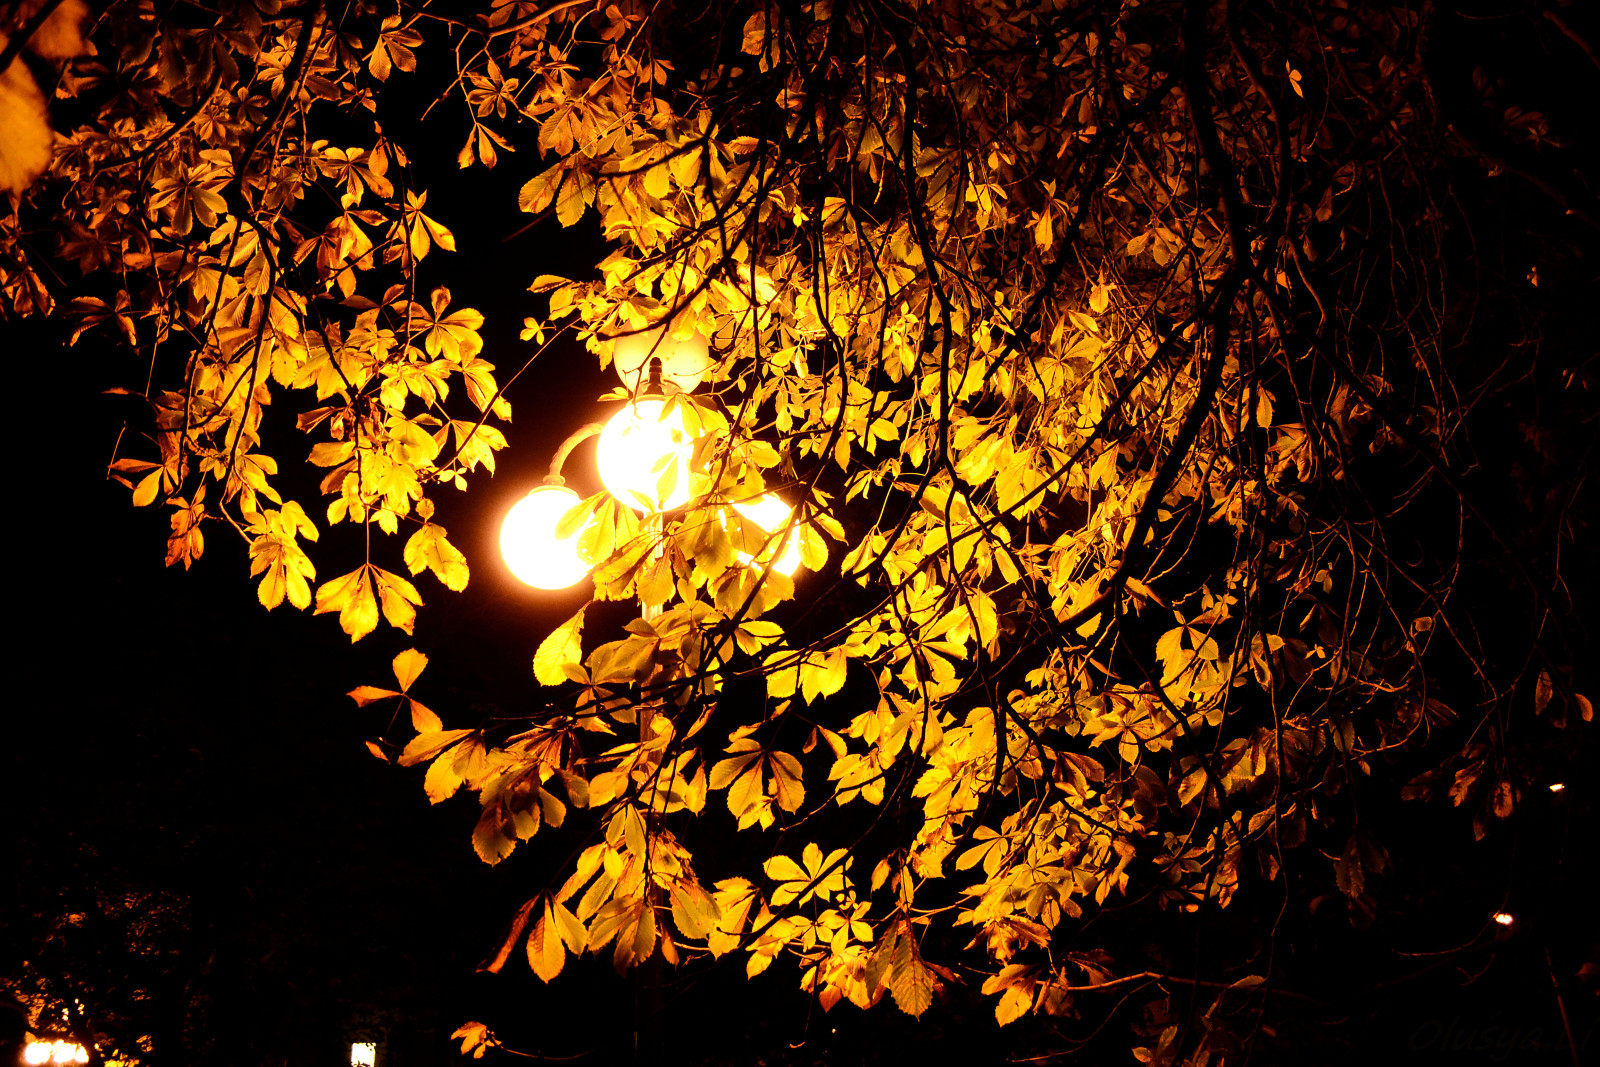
x=643 y=458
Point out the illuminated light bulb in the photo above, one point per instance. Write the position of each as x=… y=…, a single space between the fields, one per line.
x=772 y=515
x=1504 y=918
x=37 y=1052
x=529 y=544
x=640 y=451
x=685 y=357
x=1556 y=787
x=363 y=1054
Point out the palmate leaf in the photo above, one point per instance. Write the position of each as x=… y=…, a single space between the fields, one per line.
x=630 y=923
x=426 y=746
x=352 y=596
x=823 y=675
x=356 y=597
x=694 y=910
x=429 y=549
x=399 y=598
x=443 y=778
x=815 y=875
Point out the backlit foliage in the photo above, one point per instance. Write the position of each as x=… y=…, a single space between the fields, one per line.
x=1081 y=337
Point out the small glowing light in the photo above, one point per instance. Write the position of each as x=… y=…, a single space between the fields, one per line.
x=59 y=1052
x=1556 y=787
x=529 y=544
x=1504 y=918
x=363 y=1054
x=685 y=357
x=644 y=456
x=772 y=515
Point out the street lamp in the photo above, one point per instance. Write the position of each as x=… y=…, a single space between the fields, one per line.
x=54 y=1052
x=643 y=457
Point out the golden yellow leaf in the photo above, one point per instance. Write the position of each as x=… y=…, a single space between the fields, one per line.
x=489 y=838
x=351 y=595
x=910 y=980
x=407 y=666
x=562 y=648
x=546 y=953
x=443 y=778
x=399 y=598
x=823 y=675
x=693 y=910
x=429 y=548
x=26 y=140
x=422 y=718
x=366 y=694
x=428 y=745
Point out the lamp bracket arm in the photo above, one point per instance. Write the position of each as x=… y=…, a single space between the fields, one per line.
x=573 y=440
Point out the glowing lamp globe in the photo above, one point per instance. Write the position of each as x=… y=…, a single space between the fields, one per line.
x=529 y=543
x=684 y=352
x=644 y=457
x=54 y=1052
x=772 y=515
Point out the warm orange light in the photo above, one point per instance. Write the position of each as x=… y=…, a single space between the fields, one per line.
x=644 y=456
x=772 y=515
x=1504 y=918
x=529 y=544
x=1556 y=787
x=58 y=1052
